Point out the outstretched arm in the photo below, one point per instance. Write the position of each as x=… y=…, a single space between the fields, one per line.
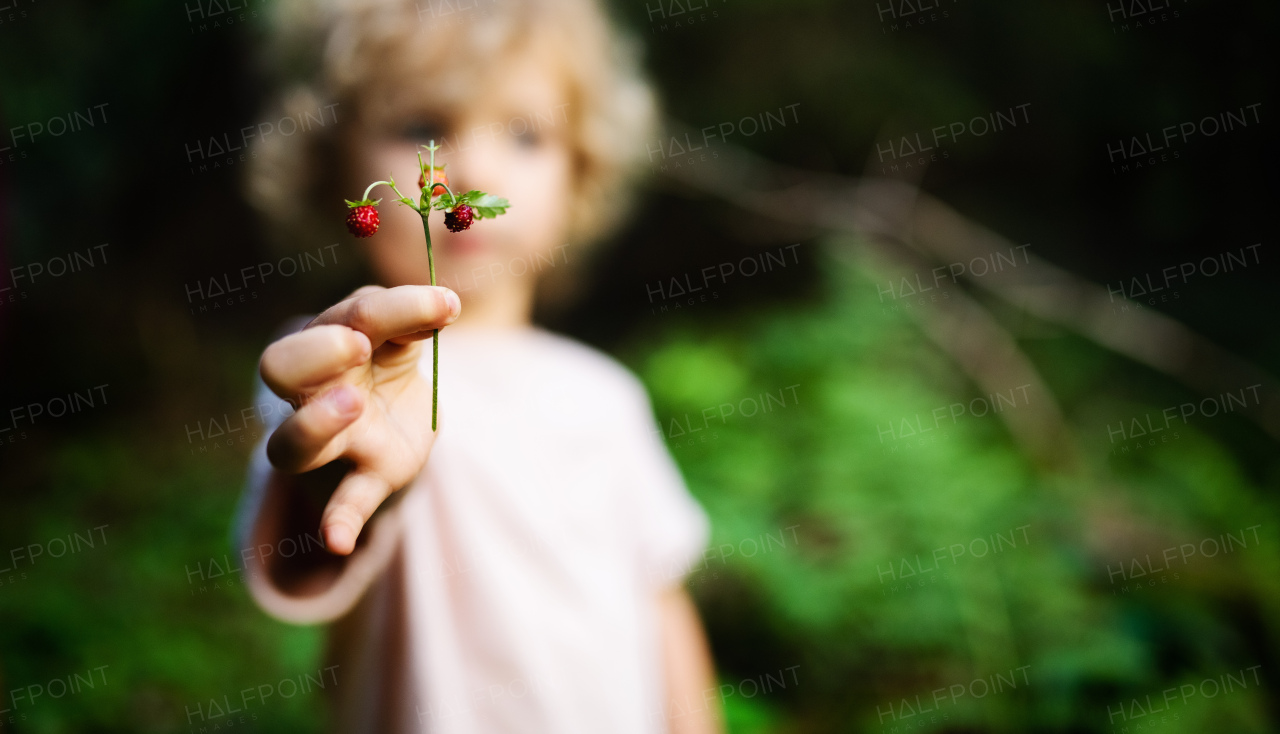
x=692 y=701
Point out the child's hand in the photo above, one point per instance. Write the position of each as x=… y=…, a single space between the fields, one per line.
x=354 y=369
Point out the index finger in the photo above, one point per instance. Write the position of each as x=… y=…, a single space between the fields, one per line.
x=383 y=315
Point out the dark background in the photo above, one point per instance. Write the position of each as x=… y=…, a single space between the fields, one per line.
x=857 y=81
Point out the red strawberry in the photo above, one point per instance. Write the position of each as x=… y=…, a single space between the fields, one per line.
x=459 y=218
x=362 y=221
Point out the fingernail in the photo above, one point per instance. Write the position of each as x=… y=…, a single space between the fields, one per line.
x=338 y=538
x=455 y=304
x=343 y=400
x=366 y=348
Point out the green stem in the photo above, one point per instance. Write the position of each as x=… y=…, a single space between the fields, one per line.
x=367 y=191
x=435 y=333
x=452 y=197
x=432 y=184
x=399 y=196
x=431 y=267
x=402 y=198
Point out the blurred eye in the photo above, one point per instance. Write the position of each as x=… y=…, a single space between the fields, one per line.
x=423 y=131
x=529 y=139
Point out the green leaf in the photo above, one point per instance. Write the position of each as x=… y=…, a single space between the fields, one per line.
x=485 y=206
x=489 y=201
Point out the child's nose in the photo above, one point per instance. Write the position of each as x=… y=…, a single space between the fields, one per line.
x=478 y=166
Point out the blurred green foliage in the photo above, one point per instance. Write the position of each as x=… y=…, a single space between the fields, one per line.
x=859 y=600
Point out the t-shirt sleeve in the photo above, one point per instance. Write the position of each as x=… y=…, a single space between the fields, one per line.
x=670 y=527
x=270 y=411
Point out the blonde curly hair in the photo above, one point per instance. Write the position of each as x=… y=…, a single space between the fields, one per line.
x=367 y=62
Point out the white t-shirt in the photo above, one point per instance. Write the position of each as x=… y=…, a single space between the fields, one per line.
x=523 y=565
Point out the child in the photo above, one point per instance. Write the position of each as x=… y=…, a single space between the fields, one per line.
x=513 y=571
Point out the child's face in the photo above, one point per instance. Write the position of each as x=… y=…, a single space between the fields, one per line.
x=483 y=151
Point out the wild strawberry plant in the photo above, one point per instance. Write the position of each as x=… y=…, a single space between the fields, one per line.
x=434 y=195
